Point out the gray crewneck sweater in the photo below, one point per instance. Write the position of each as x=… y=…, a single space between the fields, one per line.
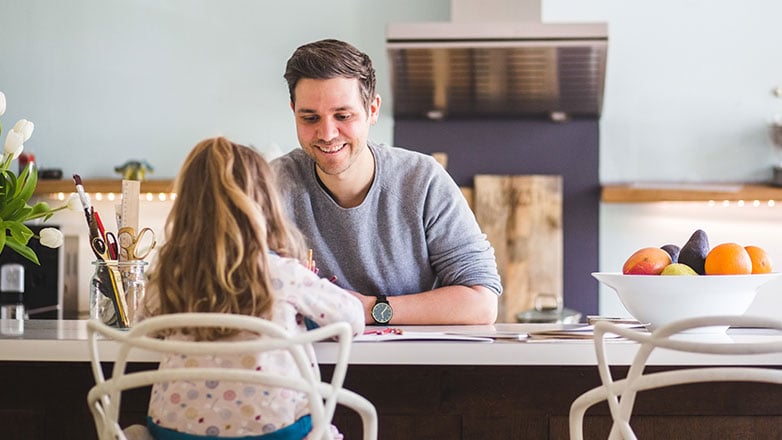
x=413 y=232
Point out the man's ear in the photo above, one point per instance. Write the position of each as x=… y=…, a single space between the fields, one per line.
x=374 y=110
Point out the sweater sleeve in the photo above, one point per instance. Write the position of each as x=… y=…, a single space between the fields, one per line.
x=459 y=251
x=318 y=299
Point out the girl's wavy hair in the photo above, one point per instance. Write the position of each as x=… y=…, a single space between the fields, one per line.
x=225 y=220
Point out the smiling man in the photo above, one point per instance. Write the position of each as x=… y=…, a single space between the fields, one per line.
x=390 y=224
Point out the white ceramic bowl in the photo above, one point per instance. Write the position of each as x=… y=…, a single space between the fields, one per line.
x=660 y=299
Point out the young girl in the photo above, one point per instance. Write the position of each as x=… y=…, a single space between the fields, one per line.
x=230 y=250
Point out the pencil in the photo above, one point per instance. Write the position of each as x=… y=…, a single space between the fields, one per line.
x=309 y=259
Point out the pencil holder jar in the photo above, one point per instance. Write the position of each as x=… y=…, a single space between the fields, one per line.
x=117 y=290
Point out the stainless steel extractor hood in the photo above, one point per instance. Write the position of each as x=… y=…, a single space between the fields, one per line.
x=469 y=67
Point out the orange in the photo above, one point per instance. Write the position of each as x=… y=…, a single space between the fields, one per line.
x=728 y=259
x=761 y=262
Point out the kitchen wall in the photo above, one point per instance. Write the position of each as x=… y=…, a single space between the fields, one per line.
x=688 y=99
x=110 y=80
x=687 y=93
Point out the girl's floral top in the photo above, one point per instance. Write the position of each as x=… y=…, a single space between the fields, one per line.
x=235 y=409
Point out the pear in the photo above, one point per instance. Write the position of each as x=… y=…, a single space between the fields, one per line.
x=678 y=269
x=694 y=252
x=673 y=251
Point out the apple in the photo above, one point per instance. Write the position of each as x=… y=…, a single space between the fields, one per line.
x=646 y=261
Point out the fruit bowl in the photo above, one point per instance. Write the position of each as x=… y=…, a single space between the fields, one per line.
x=657 y=300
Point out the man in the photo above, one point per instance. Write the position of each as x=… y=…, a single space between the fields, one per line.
x=388 y=223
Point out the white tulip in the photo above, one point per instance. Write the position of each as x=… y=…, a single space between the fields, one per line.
x=74 y=203
x=14 y=143
x=2 y=103
x=25 y=127
x=51 y=237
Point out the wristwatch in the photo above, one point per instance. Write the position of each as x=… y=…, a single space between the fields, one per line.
x=382 y=311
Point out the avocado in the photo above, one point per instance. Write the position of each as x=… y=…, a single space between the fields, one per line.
x=694 y=252
x=673 y=251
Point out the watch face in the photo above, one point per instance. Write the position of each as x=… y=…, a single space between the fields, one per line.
x=382 y=313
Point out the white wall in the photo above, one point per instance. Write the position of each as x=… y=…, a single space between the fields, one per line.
x=688 y=99
x=106 y=81
x=688 y=87
x=110 y=80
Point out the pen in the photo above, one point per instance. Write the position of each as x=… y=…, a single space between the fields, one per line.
x=85 y=199
x=99 y=223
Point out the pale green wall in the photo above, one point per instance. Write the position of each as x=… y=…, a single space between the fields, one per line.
x=110 y=80
x=688 y=89
x=687 y=93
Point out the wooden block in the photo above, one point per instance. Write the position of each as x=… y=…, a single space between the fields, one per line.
x=522 y=218
x=441 y=158
x=467 y=192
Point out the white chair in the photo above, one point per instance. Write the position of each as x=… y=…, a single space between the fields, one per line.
x=104 y=398
x=620 y=393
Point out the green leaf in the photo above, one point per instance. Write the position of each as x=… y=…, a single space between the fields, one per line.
x=11 y=179
x=11 y=209
x=4 y=185
x=23 y=250
x=29 y=179
x=20 y=233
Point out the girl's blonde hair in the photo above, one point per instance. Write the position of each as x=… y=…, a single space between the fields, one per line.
x=225 y=220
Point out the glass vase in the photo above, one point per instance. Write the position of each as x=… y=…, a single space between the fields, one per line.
x=117 y=290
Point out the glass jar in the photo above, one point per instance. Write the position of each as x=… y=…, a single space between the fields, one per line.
x=117 y=290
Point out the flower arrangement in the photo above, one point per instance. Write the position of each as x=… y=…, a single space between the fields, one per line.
x=15 y=194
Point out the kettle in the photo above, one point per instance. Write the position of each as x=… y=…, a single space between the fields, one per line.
x=548 y=309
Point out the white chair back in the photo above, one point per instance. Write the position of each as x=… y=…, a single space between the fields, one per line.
x=105 y=397
x=620 y=394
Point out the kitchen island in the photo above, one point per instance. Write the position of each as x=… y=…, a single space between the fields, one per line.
x=504 y=389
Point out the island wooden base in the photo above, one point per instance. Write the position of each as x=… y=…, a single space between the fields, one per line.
x=43 y=401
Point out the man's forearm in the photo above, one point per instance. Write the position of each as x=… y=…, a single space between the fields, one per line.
x=449 y=305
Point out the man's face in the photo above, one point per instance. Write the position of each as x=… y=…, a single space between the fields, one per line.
x=331 y=122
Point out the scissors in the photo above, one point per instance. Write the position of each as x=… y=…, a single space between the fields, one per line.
x=105 y=248
x=134 y=246
x=110 y=278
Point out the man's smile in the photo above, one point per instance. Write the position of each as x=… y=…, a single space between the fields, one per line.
x=331 y=149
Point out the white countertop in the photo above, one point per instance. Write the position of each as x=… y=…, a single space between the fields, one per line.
x=66 y=341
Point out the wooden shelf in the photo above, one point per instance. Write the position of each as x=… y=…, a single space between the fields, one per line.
x=672 y=192
x=100 y=186
x=614 y=193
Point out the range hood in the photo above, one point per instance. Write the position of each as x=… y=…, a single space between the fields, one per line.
x=480 y=65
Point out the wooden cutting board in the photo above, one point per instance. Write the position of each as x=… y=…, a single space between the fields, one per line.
x=522 y=218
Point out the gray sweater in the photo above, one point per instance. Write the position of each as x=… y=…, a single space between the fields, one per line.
x=413 y=232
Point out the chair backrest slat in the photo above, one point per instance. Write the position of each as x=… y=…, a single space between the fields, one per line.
x=620 y=394
x=258 y=335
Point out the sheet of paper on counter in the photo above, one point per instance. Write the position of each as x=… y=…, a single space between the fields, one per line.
x=581 y=332
x=393 y=334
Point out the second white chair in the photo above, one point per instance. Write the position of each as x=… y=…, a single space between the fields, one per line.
x=105 y=397
x=620 y=394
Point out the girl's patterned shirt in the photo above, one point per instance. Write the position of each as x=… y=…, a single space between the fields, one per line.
x=234 y=409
